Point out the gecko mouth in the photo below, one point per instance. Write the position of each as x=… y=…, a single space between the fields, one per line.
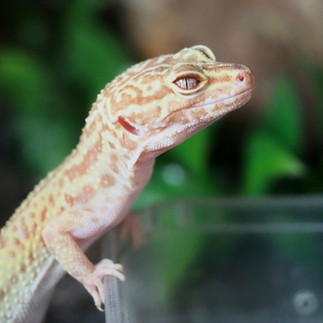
x=247 y=92
x=220 y=112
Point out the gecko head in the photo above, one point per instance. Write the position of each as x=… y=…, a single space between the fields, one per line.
x=161 y=102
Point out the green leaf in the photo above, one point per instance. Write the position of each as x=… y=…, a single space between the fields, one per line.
x=266 y=160
x=41 y=125
x=44 y=141
x=24 y=80
x=283 y=119
x=94 y=54
x=193 y=154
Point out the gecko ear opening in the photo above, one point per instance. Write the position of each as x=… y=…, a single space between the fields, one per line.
x=128 y=126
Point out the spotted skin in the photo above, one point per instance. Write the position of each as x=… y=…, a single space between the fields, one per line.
x=150 y=108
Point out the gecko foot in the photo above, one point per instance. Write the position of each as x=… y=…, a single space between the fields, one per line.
x=93 y=282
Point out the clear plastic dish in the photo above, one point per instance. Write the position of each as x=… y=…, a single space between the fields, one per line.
x=215 y=260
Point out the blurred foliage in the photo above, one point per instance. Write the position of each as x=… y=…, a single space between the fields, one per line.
x=49 y=85
x=52 y=69
x=271 y=150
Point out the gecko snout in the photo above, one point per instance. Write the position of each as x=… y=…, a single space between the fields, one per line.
x=246 y=78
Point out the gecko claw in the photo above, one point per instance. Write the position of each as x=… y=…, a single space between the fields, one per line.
x=93 y=282
x=99 y=307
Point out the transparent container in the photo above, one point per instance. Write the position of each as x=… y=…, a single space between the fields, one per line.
x=215 y=260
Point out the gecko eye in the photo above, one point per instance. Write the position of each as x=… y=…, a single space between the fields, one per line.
x=188 y=84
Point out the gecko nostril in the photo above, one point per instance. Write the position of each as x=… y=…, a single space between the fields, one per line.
x=241 y=78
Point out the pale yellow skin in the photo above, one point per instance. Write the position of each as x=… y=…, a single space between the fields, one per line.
x=150 y=108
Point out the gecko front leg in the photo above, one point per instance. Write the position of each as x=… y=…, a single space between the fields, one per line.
x=63 y=237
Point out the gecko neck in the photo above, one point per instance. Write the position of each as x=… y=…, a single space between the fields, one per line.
x=107 y=151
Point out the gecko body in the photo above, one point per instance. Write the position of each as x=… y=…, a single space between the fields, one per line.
x=150 y=108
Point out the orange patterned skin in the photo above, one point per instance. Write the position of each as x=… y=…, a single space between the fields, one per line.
x=150 y=108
